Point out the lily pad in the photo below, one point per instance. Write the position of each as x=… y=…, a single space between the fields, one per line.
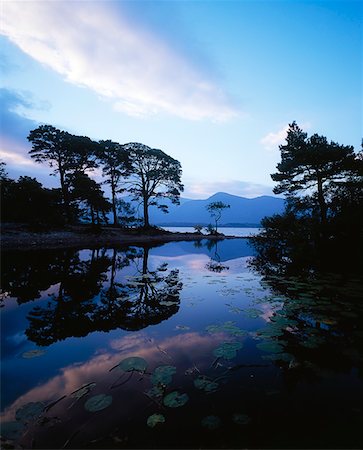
x=12 y=430
x=163 y=375
x=133 y=363
x=83 y=390
x=226 y=327
x=253 y=313
x=98 y=402
x=205 y=384
x=154 y=420
x=29 y=411
x=241 y=419
x=270 y=347
x=211 y=422
x=155 y=392
x=182 y=327
x=227 y=350
x=33 y=354
x=175 y=399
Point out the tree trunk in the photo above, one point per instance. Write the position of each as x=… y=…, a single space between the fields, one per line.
x=321 y=201
x=65 y=195
x=114 y=211
x=92 y=216
x=146 y=212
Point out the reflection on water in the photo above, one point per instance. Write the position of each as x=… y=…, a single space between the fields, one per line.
x=153 y=348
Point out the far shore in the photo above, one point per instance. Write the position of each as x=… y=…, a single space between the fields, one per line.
x=21 y=237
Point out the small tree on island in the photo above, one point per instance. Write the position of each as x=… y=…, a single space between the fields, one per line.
x=198 y=228
x=155 y=176
x=215 y=210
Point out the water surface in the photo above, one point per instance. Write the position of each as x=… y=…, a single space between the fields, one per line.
x=176 y=346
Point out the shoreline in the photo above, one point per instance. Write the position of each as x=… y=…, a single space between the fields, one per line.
x=19 y=238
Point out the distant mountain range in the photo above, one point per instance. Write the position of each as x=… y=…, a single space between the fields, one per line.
x=242 y=211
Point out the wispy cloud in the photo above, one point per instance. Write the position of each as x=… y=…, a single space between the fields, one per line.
x=14 y=129
x=92 y=44
x=272 y=140
x=204 y=189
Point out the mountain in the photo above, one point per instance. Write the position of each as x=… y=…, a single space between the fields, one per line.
x=242 y=211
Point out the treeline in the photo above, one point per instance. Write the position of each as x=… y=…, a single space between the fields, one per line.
x=321 y=227
x=148 y=175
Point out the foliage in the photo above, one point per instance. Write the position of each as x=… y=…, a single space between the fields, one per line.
x=311 y=165
x=215 y=210
x=321 y=228
x=65 y=153
x=115 y=166
x=27 y=201
x=154 y=176
x=126 y=214
x=87 y=192
x=198 y=228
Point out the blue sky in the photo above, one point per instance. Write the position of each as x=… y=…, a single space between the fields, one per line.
x=212 y=83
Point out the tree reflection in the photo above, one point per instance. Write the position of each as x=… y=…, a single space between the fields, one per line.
x=147 y=298
x=97 y=295
x=316 y=318
x=214 y=264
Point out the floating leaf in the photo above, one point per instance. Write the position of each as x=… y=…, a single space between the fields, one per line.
x=241 y=419
x=175 y=399
x=253 y=313
x=227 y=350
x=211 y=422
x=83 y=390
x=163 y=375
x=33 y=354
x=270 y=347
x=227 y=327
x=98 y=402
x=133 y=363
x=205 y=384
x=12 y=430
x=155 y=391
x=155 y=419
x=29 y=411
x=182 y=327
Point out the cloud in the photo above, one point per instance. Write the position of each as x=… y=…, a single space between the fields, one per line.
x=204 y=189
x=273 y=140
x=14 y=129
x=92 y=44
x=14 y=146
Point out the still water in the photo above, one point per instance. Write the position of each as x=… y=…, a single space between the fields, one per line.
x=227 y=231
x=176 y=346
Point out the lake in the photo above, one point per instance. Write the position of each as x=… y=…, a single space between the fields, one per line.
x=227 y=231
x=182 y=345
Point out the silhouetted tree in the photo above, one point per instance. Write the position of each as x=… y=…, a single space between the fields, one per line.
x=115 y=166
x=321 y=228
x=88 y=192
x=310 y=165
x=65 y=153
x=215 y=210
x=155 y=176
x=27 y=201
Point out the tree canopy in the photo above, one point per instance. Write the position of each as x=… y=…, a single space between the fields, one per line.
x=310 y=166
x=115 y=167
x=215 y=209
x=63 y=152
x=155 y=176
x=322 y=225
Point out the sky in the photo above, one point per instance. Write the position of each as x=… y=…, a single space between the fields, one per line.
x=212 y=83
